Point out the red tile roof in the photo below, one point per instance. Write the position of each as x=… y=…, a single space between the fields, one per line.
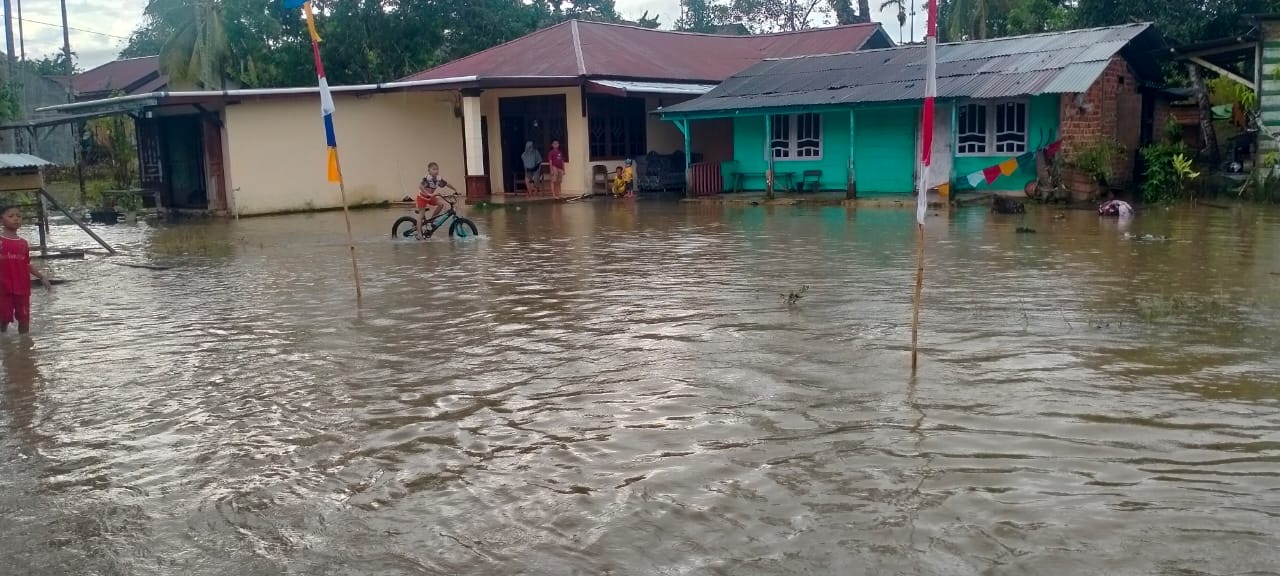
x=598 y=50
x=132 y=76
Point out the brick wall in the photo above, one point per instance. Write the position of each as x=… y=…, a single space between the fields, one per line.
x=1110 y=109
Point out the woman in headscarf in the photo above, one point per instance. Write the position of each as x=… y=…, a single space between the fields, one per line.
x=532 y=161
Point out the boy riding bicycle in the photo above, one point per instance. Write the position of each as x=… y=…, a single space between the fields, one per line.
x=428 y=195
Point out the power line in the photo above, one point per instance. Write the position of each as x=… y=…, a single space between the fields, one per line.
x=59 y=26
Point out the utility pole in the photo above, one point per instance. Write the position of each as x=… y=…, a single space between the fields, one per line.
x=22 y=38
x=76 y=131
x=10 y=80
x=8 y=35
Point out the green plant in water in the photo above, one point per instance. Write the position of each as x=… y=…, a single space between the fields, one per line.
x=1182 y=171
x=1161 y=307
x=188 y=241
x=1164 y=183
x=793 y=297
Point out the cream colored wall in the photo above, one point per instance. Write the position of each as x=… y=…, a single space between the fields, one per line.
x=276 y=158
x=661 y=135
x=577 y=177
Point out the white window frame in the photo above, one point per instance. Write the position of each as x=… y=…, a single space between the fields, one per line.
x=791 y=148
x=989 y=144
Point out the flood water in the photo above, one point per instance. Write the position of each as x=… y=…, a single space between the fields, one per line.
x=619 y=388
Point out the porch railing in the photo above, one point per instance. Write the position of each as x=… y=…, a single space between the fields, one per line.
x=705 y=178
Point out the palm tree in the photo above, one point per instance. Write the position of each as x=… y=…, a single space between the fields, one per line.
x=197 y=50
x=902 y=16
x=970 y=18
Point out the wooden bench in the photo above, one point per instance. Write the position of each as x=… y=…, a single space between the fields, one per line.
x=786 y=179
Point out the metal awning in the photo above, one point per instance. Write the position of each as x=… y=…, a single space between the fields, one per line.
x=627 y=87
x=46 y=121
x=19 y=161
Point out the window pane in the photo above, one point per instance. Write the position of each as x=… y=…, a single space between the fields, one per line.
x=971 y=135
x=780 y=140
x=808 y=136
x=1011 y=128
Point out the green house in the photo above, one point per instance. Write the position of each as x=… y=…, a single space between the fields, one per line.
x=851 y=121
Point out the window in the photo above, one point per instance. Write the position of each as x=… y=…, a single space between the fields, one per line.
x=991 y=128
x=796 y=137
x=616 y=127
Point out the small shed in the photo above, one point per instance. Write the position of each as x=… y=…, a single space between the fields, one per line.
x=25 y=173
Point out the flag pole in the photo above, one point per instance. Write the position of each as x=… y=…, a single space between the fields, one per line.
x=327 y=110
x=926 y=156
x=346 y=215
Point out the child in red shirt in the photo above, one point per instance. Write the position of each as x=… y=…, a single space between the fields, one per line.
x=15 y=273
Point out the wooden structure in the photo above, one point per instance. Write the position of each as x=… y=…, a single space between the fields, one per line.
x=24 y=173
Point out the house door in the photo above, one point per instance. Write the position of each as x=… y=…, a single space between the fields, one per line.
x=150 y=160
x=539 y=119
x=181 y=139
x=884 y=145
x=512 y=146
x=217 y=179
x=940 y=161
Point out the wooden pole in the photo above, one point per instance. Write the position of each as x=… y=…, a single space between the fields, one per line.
x=346 y=215
x=77 y=222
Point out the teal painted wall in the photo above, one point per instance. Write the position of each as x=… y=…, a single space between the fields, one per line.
x=884 y=150
x=1043 y=118
x=749 y=153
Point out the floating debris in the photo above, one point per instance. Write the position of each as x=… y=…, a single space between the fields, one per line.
x=1025 y=230
x=1147 y=237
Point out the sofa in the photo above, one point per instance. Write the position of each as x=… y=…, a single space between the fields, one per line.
x=660 y=172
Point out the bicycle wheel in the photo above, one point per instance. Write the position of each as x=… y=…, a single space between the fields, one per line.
x=404 y=227
x=463 y=228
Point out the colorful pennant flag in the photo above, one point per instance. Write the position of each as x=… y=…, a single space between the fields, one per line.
x=1009 y=166
x=326 y=97
x=330 y=139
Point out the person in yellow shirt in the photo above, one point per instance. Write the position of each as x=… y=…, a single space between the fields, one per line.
x=624 y=179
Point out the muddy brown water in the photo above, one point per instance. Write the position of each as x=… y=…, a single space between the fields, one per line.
x=610 y=388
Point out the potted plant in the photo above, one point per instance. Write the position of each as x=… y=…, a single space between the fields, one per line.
x=129 y=202
x=1091 y=167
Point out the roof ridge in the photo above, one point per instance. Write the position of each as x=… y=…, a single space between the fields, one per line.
x=765 y=35
x=960 y=42
x=487 y=50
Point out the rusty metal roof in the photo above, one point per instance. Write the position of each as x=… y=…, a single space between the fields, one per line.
x=130 y=76
x=599 y=50
x=1054 y=63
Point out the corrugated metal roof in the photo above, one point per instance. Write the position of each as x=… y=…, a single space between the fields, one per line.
x=618 y=51
x=11 y=161
x=1055 y=63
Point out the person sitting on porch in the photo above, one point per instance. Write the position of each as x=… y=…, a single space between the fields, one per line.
x=532 y=161
x=428 y=195
x=624 y=181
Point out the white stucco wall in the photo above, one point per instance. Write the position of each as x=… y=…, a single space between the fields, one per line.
x=276 y=154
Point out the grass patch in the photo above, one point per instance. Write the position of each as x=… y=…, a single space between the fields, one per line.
x=1165 y=307
x=188 y=241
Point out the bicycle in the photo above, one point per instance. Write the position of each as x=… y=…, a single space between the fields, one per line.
x=405 y=226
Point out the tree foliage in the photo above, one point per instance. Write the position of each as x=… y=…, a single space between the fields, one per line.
x=259 y=43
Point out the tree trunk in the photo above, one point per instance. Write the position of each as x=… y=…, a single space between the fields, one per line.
x=1207 y=132
x=864 y=10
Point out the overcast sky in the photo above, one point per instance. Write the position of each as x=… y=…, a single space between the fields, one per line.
x=100 y=27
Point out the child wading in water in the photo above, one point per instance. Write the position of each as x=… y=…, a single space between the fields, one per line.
x=15 y=273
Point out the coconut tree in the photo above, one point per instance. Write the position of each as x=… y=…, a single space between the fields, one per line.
x=902 y=16
x=970 y=18
x=197 y=51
